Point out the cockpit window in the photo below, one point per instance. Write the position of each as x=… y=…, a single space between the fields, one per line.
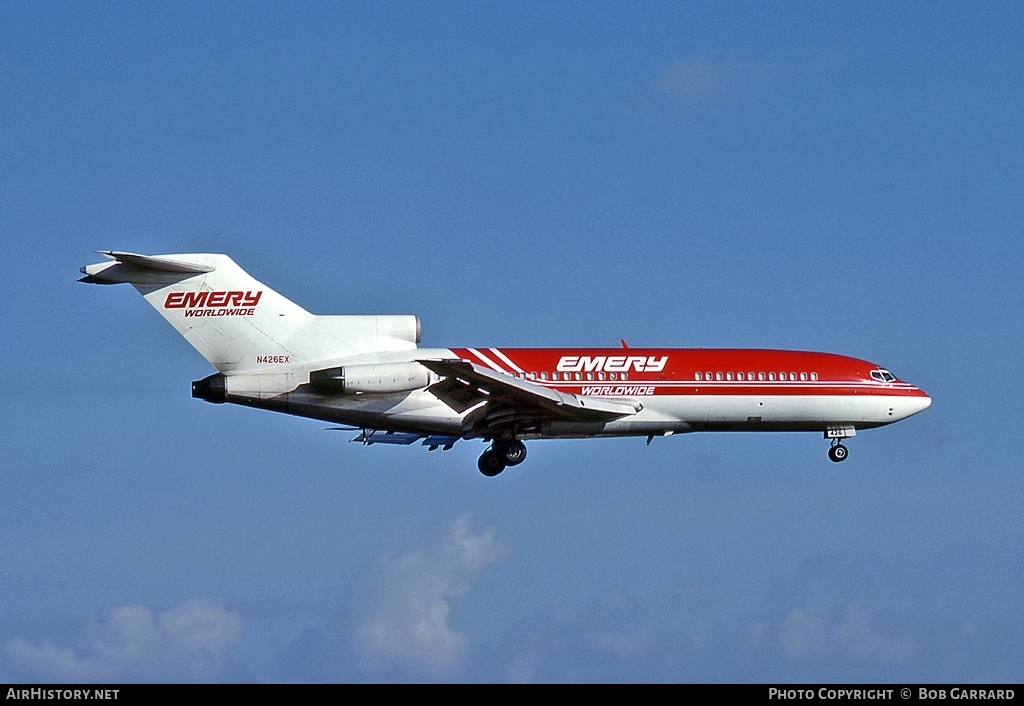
x=882 y=375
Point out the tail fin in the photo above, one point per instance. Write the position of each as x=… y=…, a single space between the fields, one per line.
x=239 y=324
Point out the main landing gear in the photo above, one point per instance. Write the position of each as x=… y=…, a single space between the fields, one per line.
x=501 y=455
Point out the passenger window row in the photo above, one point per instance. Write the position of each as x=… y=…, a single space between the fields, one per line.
x=759 y=377
x=574 y=376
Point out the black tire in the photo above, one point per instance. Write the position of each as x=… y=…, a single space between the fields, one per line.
x=515 y=453
x=838 y=453
x=490 y=463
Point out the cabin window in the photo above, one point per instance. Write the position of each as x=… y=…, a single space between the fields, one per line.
x=600 y=376
x=814 y=376
x=697 y=376
x=543 y=376
x=771 y=376
x=739 y=376
x=718 y=376
x=760 y=376
x=728 y=376
x=613 y=376
x=803 y=376
x=590 y=376
x=533 y=376
x=579 y=376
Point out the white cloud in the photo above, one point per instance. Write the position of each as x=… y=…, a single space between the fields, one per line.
x=852 y=634
x=699 y=80
x=626 y=645
x=403 y=617
x=133 y=642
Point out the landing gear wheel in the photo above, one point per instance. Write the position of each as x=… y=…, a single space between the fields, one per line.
x=491 y=463
x=838 y=453
x=515 y=453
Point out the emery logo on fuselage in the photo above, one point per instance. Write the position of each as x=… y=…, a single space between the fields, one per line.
x=618 y=390
x=215 y=303
x=611 y=363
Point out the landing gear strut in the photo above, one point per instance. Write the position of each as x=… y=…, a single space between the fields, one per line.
x=500 y=455
x=837 y=452
x=837 y=434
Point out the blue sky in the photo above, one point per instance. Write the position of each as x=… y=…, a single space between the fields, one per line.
x=841 y=177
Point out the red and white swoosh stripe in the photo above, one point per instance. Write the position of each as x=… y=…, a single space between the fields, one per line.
x=487 y=361
x=506 y=359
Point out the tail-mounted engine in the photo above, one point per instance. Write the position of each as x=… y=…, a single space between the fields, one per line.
x=371 y=378
x=211 y=389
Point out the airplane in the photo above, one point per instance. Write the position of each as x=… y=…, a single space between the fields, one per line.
x=367 y=374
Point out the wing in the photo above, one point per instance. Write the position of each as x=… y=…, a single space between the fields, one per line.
x=504 y=402
x=369 y=436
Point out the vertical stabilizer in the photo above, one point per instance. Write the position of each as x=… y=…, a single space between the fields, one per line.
x=236 y=322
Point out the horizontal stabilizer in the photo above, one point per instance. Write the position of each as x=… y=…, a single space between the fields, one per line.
x=108 y=272
x=150 y=262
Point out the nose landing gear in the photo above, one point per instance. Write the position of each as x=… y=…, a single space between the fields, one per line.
x=837 y=452
x=501 y=455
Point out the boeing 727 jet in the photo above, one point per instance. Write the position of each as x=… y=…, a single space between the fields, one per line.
x=367 y=373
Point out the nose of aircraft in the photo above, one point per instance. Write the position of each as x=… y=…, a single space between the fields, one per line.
x=917 y=401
